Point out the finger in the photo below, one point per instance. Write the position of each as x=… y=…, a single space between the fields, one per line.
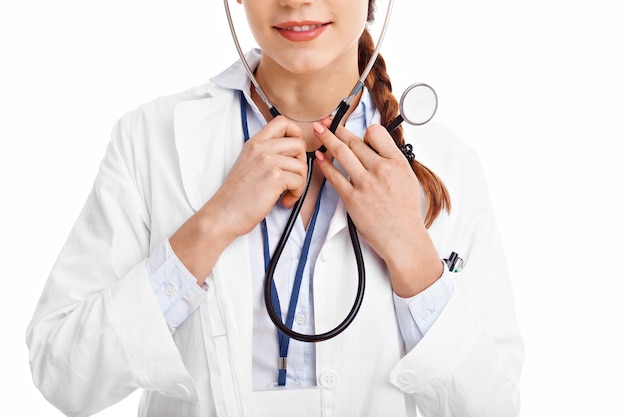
x=281 y=127
x=339 y=150
x=294 y=184
x=340 y=183
x=289 y=164
x=359 y=147
x=267 y=153
x=288 y=146
x=282 y=136
x=381 y=141
x=290 y=175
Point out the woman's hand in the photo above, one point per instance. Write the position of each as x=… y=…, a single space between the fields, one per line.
x=271 y=164
x=382 y=195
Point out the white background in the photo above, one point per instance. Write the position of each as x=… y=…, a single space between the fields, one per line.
x=536 y=86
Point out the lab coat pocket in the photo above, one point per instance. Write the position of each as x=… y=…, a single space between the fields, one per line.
x=303 y=402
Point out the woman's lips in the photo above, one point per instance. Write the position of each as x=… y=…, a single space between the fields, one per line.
x=301 y=31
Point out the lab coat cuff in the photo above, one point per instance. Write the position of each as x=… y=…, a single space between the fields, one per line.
x=154 y=357
x=175 y=288
x=417 y=314
x=439 y=352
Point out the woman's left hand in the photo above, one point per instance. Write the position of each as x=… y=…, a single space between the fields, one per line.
x=382 y=195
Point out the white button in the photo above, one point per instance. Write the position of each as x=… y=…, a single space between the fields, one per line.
x=407 y=376
x=300 y=318
x=328 y=379
x=181 y=391
x=170 y=290
x=296 y=384
x=426 y=314
x=324 y=255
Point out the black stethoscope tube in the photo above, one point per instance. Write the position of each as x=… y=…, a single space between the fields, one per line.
x=269 y=273
x=341 y=110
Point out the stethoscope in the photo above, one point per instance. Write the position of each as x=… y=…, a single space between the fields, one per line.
x=421 y=102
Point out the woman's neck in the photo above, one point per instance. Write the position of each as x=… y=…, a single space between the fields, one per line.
x=305 y=97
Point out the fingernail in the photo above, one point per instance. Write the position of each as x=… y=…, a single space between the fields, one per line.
x=319 y=155
x=318 y=127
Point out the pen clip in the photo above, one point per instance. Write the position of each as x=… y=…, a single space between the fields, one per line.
x=454 y=262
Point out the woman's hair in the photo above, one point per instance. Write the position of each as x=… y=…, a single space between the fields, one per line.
x=379 y=84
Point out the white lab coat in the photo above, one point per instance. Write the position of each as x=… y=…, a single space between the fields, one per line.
x=98 y=334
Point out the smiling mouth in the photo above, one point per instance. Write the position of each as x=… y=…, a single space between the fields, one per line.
x=301 y=31
x=301 y=28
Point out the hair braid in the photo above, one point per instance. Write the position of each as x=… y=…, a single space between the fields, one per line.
x=379 y=85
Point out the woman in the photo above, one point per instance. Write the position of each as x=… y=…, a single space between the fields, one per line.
x=159 y=285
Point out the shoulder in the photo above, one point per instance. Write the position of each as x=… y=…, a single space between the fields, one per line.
x=451 y=158
x=161 y=110
x=149 y=129
x=436 y=138
x=441 y=149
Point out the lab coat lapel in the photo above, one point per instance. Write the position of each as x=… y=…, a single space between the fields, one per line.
x=330 y=291
x=207 y=142
x=338 y=222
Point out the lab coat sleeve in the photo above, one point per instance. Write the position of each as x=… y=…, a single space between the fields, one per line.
x=469 y=362
x=98 y=333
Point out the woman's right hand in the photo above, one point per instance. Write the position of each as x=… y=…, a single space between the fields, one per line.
x=272 y=163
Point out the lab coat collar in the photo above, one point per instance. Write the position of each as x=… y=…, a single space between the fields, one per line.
x=235 y=77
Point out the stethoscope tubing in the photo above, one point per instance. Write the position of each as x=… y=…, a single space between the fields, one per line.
x=340 y=112
x=269 y=274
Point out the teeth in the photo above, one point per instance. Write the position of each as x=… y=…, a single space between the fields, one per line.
x=302 y=28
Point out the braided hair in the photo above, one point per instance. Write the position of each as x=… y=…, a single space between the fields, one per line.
x=379 y=85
